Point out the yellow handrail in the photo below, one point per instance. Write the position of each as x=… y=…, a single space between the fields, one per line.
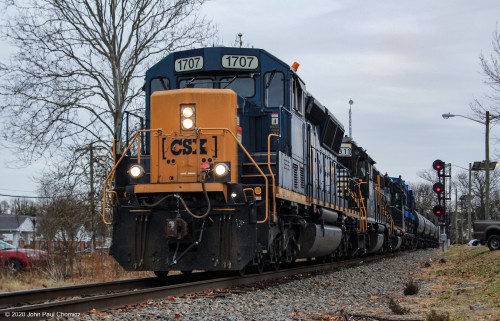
x=272 y=174
x=364 y=220
x=253 y=162
x=113 y=170
x=198 y=130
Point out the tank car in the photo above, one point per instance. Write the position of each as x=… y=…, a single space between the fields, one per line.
x=237 y=165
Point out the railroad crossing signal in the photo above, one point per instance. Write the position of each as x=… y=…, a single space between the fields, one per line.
x=439 y=188
x=438 y=210
x=438 y=165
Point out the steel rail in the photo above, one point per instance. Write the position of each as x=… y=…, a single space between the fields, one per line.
x=135 y=296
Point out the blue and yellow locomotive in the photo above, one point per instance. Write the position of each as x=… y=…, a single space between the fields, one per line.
x=239 y=166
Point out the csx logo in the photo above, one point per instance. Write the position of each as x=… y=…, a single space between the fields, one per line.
x=188 y=146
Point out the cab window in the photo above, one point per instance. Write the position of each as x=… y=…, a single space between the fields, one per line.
x=298 y=97
x=244 y=87
x=196 y=83
x=274 y=89
x=158 y=84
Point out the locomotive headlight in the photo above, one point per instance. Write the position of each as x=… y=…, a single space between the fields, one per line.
x=188 y=116
x=187 y=111
x=187 y=123
x=221 y=169
x=136 y=171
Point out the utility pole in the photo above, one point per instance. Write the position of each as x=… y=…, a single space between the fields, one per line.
x=469 y=204
x=487 y=167
x=350 y=117
x=92 y=195
x=456 y=217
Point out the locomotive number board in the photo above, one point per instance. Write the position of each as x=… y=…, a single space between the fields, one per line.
x=188 y=63
x=240 y=62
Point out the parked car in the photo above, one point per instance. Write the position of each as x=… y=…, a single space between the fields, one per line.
x=20 y=259
x=475 y=242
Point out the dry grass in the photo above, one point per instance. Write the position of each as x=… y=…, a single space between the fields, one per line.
x=82 y=269
x=465 y=284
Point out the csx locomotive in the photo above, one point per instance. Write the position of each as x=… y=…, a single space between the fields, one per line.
x=237 y=165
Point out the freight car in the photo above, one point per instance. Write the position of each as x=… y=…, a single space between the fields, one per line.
x=237 y=165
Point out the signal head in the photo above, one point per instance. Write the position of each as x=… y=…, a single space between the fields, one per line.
x=438 y=165
x=438 y=188
x=438 y=210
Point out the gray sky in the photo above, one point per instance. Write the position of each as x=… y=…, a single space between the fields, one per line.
x=403 y=63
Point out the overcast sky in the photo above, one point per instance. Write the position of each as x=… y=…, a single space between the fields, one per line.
x=403 y=63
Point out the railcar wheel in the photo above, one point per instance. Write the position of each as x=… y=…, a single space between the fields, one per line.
x=161 y=274
x=494 y=242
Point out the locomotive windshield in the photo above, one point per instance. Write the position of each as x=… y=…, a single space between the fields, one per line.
x=158 y=84
x=243 y=86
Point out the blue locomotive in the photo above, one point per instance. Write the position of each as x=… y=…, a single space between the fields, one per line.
x=237 y=165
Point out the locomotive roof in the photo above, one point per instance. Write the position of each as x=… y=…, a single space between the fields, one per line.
x=358 y=149
x=211 y=59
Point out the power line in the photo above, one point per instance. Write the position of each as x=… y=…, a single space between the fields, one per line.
x=21 y=196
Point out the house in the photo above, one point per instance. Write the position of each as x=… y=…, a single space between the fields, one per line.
x=19 y=230
x=22 y=231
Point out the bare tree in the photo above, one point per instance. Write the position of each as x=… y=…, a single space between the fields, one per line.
x=78 y=66
x=425 y=198
x=4 y=207
x=63 y=216
x=428 y=175
x=478 y=191
x=23 y=206
x=491 y=67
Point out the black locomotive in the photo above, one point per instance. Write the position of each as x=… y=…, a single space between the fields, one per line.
x=238 y=165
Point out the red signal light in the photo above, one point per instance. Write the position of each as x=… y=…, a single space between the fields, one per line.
x=438 y=165
x=438 y=188
x=438 y=210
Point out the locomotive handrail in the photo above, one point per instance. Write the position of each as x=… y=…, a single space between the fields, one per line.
x=113 y=170
x=137 y=135
x=383 y=209
x=271 y=172
x=364 y=218
x=253 y=162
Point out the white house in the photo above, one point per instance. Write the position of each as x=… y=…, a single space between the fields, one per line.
x=16 y=228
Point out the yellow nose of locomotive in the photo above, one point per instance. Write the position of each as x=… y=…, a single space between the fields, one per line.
x=198 y=141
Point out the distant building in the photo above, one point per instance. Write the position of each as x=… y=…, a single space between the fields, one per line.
x=19 y=230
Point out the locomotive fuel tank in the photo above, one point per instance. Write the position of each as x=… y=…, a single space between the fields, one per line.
x=316 y=240
x=376 y=242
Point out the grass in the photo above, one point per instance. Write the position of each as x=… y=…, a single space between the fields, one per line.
x=465 y=284
x=82 y=269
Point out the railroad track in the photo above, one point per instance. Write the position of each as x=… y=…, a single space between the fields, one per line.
x=72 y=300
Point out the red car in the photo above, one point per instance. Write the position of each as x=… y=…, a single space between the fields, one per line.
x=20 y=259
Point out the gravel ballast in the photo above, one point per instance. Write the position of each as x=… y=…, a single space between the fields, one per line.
x=362 y=291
